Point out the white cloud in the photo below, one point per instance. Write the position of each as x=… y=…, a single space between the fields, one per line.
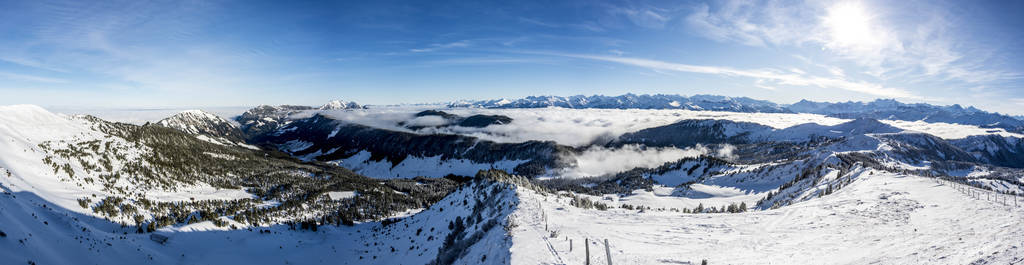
x=599 y=161
x=30 y=78
x=726 y=152
x=573 y=127
x=644 y=16
x=766 y=75
x=489 y=60
x=887 y=41
x=428 y=121
x=442 y=46
x=32 y=63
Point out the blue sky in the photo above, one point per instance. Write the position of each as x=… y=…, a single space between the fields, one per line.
x=231 y=53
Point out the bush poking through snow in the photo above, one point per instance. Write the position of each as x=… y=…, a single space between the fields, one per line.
x=84 y=202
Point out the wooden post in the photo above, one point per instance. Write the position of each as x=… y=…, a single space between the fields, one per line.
x=586 y=246
x=570 y=245
x=607 y=251
x=546 y=221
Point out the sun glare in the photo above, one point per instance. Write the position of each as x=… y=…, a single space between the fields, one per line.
x=849 y=25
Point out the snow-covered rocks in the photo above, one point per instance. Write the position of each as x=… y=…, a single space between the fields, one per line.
x=199 y=122
x=340 y=105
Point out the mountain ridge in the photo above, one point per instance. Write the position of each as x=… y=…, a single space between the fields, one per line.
x=880 y=109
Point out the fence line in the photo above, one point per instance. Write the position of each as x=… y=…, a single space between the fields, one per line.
x=586 y=250
x=982 y=194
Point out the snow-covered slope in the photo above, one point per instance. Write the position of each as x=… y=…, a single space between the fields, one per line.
x=880 y=218
x=152 y=177
x=839 y=187
x=22 y=129
x=467 y=227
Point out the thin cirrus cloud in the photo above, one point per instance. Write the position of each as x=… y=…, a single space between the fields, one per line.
x=763 y=77
x=442 y=46
x=167 y=53
x=30 y=78
x=880 y=41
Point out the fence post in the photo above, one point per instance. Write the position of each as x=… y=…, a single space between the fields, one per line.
x=570 y=245
x=586 y=246
x=607 y=251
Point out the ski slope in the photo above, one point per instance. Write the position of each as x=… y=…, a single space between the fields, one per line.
x=881 y=218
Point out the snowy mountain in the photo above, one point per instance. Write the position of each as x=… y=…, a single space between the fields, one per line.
x=415 y=185
x=204 y=123
x=894 y=110
x=386 y=153
x=267 y=118
x=730 y=132
x=149 y=178
x=881 y=109
x=631 y=101
x=436 y=119
x=340 y=105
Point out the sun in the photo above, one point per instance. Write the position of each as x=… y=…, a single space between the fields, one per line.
x=849 y=25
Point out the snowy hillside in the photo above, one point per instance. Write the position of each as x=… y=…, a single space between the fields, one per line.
x=662 y=186
x=880 y=218
x=96 y=181
x=467 y=227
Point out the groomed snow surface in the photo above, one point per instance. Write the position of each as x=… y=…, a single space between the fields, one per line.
x=881 y=218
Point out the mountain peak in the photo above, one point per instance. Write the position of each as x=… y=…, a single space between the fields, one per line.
x=339 y=105
x=632 y=101
x=200 y=122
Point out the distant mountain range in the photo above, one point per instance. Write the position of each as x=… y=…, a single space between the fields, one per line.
x=632 y=101
x=315 y=180
x=893 y=110
x=882 y=109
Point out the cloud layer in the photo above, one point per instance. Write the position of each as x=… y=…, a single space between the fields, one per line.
x=600 y=161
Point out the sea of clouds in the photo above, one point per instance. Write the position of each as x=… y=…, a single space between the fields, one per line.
x=572 y=127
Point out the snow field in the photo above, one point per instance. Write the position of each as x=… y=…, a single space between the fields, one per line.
x=881 y=218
